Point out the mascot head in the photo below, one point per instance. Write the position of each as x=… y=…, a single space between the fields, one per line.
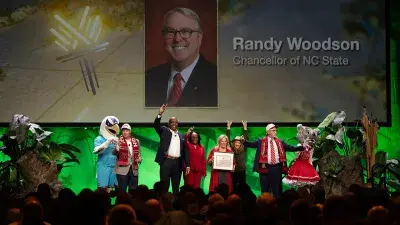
x=307 y=135
x=109 y=127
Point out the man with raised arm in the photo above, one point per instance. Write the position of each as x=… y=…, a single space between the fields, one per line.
x=171 y=154
x=270 y=160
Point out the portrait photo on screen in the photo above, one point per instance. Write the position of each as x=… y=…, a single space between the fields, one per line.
x=181 y=53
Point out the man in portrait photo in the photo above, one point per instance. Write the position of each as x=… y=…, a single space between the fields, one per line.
x=187 y=79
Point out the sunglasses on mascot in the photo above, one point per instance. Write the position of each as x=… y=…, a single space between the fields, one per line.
x=111 y=122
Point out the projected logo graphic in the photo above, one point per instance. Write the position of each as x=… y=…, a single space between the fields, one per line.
x=80 y=41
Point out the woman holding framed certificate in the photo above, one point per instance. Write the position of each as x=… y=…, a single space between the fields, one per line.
x=221 y=158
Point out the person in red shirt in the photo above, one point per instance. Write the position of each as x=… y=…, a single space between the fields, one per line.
x=197 y=159
x=128 y=160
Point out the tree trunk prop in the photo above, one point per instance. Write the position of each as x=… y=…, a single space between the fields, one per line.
x=370 y=135
x=339 y=172
x=37 y=172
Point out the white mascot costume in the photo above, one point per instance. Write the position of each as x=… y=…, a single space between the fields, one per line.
x=104 y=145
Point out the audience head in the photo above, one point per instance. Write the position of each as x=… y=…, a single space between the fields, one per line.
x=355 y=189
x=319 y=194
x=336 y=209
x=123 y=198
x=160 y=187
x=266 y=203
x=236 y=203
x=289 y=196
x=233 y=198
x=223 y=189
x=214 y=198
x=44 y=190
x=167 y=201
x=32 y=211
x=31 y=196
x=320 y=207
x=13 y=215
x=66 y=194
x=219 y=208
x=223 y=219
x=175 y=218
x=190 y=204
x=378 y=215
x=141 y=192
x=121 y=214
x=395 y=209
x=154 y=209
x=300 y=212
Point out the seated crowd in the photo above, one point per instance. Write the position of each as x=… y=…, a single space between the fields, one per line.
x=192 y=206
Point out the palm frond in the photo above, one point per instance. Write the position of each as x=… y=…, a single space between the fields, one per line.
x=39 y=132
x=381 y=157
x=71 y=160
x=69 y=150
x=328 y=120
x=49 y=154
x=330 y=130
x=65 y=147
x=339 y=118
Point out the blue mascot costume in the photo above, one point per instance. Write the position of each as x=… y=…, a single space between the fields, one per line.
x=104 y=146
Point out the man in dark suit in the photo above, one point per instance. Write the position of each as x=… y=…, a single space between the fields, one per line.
x=270 y=160
x=188 y=80
x=171 y=154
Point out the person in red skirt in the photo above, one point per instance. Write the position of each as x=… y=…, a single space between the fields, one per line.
x=197 y=159
x=302 y=173
x=220 y=176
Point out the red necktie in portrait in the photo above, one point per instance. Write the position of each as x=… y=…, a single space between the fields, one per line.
x=176 y=90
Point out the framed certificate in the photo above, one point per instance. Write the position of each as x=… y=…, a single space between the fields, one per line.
x=223 y=161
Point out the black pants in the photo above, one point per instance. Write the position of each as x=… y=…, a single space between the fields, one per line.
x=272 y=181
x=170 y=170
x=128 y=180
x=238 y=177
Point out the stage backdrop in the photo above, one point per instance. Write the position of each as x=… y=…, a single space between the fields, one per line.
x=84 y=175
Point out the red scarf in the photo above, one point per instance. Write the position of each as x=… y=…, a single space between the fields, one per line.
x=123 y=153
x=264 y=149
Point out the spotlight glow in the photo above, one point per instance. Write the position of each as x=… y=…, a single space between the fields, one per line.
x=69 y=37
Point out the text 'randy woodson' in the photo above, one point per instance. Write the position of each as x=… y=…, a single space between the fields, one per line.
x=294 y=44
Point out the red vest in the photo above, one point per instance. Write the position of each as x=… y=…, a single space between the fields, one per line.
x=123 y=153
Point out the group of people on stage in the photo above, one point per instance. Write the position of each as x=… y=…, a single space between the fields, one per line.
x=183 y=153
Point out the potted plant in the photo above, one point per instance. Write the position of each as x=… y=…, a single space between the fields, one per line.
x=34 y=158
x=338 y=154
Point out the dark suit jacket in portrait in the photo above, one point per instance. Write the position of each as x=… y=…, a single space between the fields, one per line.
x=201 y=89
x=165 y=140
